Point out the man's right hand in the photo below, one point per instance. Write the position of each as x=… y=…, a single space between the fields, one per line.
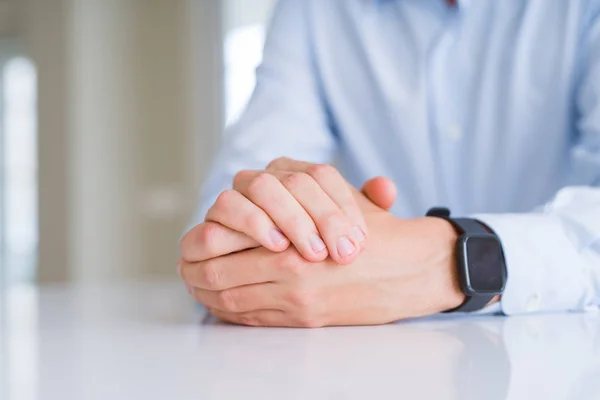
x=291 y=199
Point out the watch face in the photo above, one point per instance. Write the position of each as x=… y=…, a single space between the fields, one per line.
x=484 y=264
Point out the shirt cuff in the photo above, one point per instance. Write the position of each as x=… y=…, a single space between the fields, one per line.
x=546 y=270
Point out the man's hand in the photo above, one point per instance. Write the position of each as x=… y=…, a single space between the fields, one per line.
x=406 y=271
x=290 y=201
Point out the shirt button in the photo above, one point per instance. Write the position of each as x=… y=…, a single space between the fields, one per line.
x=454 y=132
x=533 y=304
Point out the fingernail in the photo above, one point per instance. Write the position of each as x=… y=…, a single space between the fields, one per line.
x=345 y=247
x=277 y=237
x=316 y=243
x=359 y=234
x=189 y=289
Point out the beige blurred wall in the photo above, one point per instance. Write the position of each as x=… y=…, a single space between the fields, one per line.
x=129 y=113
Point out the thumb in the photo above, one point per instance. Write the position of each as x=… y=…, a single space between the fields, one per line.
x=381 y=191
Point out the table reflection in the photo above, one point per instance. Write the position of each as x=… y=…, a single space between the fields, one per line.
x=543 y=356
x=149 y=342
x=460 y=360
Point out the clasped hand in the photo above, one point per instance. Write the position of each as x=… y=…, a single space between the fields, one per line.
x=296 y=245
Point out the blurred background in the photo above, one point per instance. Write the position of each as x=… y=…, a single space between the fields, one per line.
x=109 y=113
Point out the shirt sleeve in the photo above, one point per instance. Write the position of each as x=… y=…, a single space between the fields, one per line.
x=286 y=115
x=553 y=255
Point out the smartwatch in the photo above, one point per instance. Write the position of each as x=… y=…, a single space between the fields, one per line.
x=479 y=258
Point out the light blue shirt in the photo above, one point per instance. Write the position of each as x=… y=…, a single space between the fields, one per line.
x=491 y=108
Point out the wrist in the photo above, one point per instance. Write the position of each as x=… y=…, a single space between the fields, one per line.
x=459 y=253
x=451 y=296
x=438 y=256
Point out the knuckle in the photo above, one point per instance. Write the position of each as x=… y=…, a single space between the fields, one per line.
x=225 y=199
x=254 y=222
x=240 y=176
x=209 y=275
x=206 y=236
x=197 y=241
x=227 y=301
x=277 y=162
x=293 y=263
x=322 y=171
x=308 y=320
x=297 y=222
x=330 y=219
x=187 y=242
x=296 y=180
x=301 y=299
x=260 y=184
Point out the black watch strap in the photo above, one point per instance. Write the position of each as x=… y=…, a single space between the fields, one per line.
x=472 y=303
x=462 y=226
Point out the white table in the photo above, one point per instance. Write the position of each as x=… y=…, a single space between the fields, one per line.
x=148 y=341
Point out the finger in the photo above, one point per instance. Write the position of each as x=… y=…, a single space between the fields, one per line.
x=288 y=164
x=333 y=183
x=333 y=225
x=235 y=211
x=268 y=193
x=272 y=318
x=341 y=237
x=256 y=318
x=210 y=239
x=248 y=267
x=381 y=191
x=243 y=298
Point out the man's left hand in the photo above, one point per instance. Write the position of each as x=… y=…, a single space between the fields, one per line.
x=406 y=271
